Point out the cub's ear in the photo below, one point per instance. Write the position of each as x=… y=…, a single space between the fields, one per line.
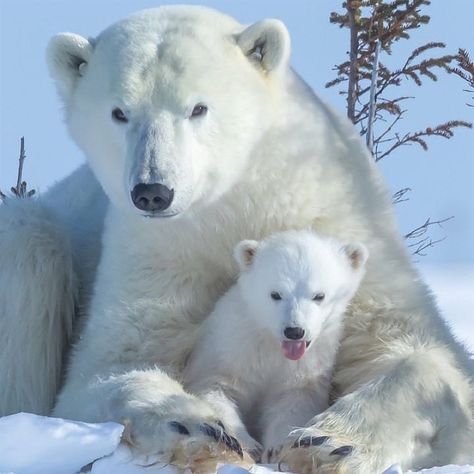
x=244 y=253
x=67 y=56
x=357 y=254
x=267 y=44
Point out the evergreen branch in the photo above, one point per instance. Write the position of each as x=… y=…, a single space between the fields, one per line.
x=464 y=70
x=445 y=130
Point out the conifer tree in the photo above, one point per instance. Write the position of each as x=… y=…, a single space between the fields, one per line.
x=376 y=102
x=371 y=87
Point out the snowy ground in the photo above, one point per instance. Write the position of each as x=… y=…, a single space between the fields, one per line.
x=32 y=444
x=36 y=445
x=453 y=287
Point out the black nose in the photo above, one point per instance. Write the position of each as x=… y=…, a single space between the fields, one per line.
x=152 y=197
x=294 y=333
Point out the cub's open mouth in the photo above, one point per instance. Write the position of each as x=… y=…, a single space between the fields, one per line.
x=294 y=350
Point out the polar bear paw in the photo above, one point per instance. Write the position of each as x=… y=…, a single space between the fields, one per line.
x=312 y=451
x=198 y=445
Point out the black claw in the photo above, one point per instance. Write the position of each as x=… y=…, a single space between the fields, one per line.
x=227 y=440
x=302 y=443
x=233 y=444
x=219 y=422
x=238 y=448
x=308 y=441
x=342 y=451
x=221 y=436
x=180 y=428
x=318 y=441
x=210 y=431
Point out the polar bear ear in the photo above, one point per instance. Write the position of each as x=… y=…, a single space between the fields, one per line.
x=244 y=253
x=67 y=56
x=357 y=254
x=267 y=43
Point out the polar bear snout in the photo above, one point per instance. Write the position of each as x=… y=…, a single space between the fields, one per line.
x=154 y=197
x=294 y=333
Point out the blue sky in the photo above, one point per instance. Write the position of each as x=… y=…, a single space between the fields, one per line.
x=441 y=179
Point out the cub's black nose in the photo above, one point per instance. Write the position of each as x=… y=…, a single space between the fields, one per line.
x=294 y=333
x=152 y=197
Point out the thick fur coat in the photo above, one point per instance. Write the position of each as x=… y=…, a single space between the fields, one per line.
x=263 y=154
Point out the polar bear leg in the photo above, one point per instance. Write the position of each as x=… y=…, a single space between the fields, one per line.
x=37 y=299
x=162 y=421
x=416 y=414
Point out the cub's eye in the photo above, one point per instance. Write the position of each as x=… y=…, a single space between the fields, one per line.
x=119 y=116
x=275 y=295
x=198 y=111
x=318 y=297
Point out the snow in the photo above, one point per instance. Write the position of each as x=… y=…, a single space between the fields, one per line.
x=31 y=444
x=121 y=462
x=451 y=469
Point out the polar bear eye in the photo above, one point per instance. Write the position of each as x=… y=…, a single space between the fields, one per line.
x=318 y=297
x=275 y=295
x=199 y=110
x=119 y=116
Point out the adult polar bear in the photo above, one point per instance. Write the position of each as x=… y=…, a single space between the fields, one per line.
x=185 y=113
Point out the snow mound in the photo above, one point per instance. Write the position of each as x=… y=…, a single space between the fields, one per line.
x=32 y=444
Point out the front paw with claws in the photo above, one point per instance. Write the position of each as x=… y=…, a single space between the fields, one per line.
x=195 y=442
x=314 y=452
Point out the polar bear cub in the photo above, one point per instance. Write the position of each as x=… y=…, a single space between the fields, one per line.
x=265 y=355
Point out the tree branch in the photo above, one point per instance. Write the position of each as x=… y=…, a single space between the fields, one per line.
x=372 y=102
x=351 y=88
x=424 y=241
x=20 y=190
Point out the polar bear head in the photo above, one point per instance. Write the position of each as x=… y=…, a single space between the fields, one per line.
x=169 y=103
x=297 y=283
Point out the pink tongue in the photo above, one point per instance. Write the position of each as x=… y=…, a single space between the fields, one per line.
x=293 y=350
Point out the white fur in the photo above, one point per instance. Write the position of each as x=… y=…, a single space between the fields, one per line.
x=268 y=156
x=37 y=299
x=49 y=250
x=68 y=56
x=238 y=361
